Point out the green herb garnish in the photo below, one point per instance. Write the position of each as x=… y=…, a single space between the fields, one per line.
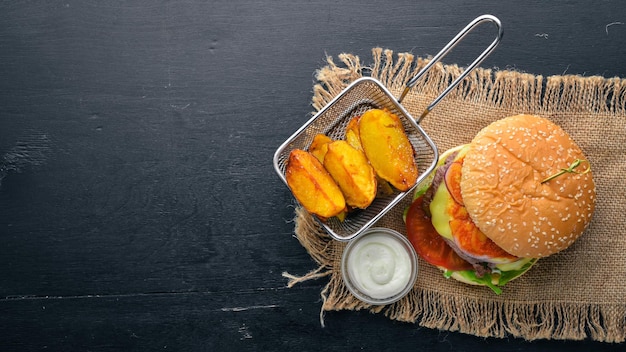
x=570 y=170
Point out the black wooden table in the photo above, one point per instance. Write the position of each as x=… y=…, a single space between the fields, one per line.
x=139 y=209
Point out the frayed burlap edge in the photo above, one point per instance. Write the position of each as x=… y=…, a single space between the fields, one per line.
x=434 y=309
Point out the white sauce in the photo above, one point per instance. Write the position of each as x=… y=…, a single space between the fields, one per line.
x=379 y=266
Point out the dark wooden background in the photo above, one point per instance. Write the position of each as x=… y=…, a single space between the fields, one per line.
x=139 y=209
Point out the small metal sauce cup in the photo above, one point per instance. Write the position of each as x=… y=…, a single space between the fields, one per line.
x=354 y=284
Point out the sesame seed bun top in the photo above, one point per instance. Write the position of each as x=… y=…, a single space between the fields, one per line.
x=502 y=187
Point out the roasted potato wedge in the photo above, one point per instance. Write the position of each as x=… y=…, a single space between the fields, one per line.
x=353 y=138
x=319 y=146
x=388 y=148
x=313 y=186
x=352 y=172
x=352 y=133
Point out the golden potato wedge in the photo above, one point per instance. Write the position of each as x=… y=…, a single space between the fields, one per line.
x=352 y=172
x=388 y=148
x=319 y=146
x=353 y=138
x=313 y=186
x=352 y=133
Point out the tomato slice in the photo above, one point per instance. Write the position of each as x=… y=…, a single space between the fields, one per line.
x=470 y=239
x=452 y=178
x=428 y=243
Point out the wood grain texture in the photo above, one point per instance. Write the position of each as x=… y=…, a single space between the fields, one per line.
x=139 y=209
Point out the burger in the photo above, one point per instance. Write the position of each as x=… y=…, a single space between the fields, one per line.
x=521 y=190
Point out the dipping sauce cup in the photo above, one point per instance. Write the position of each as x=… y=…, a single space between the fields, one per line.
x=379 y=266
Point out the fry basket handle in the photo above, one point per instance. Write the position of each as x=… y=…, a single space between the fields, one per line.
x=477 y=21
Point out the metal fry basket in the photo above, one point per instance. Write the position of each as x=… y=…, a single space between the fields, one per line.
x=364 y=94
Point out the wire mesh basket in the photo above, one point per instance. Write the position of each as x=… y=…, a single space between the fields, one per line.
x=365 y=94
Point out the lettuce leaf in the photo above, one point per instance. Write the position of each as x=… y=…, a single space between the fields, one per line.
x=501 y=277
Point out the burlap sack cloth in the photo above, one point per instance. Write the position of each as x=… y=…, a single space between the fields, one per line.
x=576 y=294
